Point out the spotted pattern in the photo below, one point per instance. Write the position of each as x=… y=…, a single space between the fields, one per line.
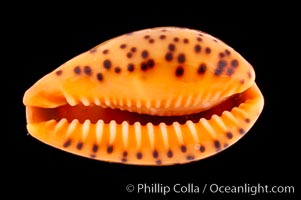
x=139 y=155
x=217 y=144
x=155 y=154
x=197 y=48
x=107 y=64
x=241 y=131
x=87 y=70
x=99 y=76
x=162 y=37
x=179 y=71
x=202 y=68
x=183 y=148
x=181 y=58
x=168 y=56
x=229 y=135
x=138 y=59
x=67 y=143
x=158 y=162
x=133 y=49
x=171 y=47
x=207 y=50
x=94 y=148
x=202 y=149
x=169 y=154
x=131 y=67
x=110 y=149
x=77 y=70
x=190 y=157
x=144 y=54
x=117 y=70
x=79 y=145
x=123 y=46
x=59 y=72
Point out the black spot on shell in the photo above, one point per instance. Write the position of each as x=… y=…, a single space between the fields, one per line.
x=59 y=72
x=179 y=71
x=129 y=55
x=202 y=149
x=222 y=63
x=110 y=149
x=197 y=48
x=125 y=154
x=234 y=63
x=207 y=50
x=133 y=49
x=77 y=70
x=227 y=52
x=99 y=76
x=199 y=39
x=146 y=36
x=220 y=67
x=95 y=148
x=217 y=144
x=106 y=51
x=123 y=46
x=107 y=64
x=155 y=154
x=67 y=143
x=87 y=70
x=190 y=157
x=185 y=40
x=162 y=37
x=144 y=54
x=151 y=41
x=117 y=70
x=131 y=67
x=79 y=145
x=124 y=160
x=139 y=155
x=181 y=58
x=249 y=75
x=230 y=71
x=176 y=39
x=143 y=66
x=221 y=54
x=158 y=162
x=229 y=135
x=247 y=120
x=168 y=56
x=150 y=63
x=183 y=148
x=202 y=68
x=171 y=47
x=241 y=131
x=169 y=154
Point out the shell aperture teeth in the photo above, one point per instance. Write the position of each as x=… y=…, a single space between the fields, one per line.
x=99 y=110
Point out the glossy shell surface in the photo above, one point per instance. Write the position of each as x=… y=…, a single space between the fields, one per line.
x=158 y=96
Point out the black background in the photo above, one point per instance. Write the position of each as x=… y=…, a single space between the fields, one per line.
x=42 y=37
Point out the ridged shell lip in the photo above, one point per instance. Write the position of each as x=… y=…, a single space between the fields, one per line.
x=91 y=111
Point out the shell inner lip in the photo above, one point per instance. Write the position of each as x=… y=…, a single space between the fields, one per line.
x=95 y=113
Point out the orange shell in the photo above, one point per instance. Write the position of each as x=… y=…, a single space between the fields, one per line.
x=157 y=96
